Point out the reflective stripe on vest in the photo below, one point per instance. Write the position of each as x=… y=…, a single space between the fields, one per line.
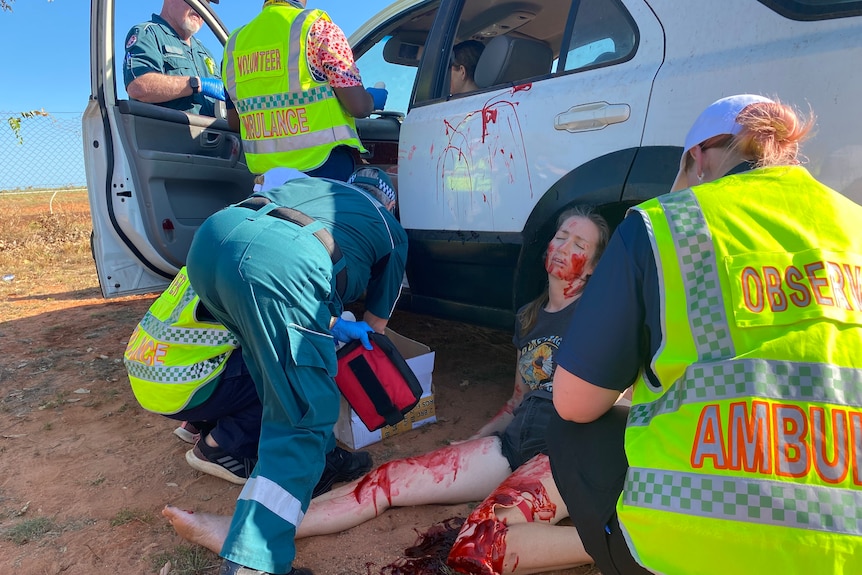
x=750 y=449
x=171 y=355
x=287 y=118
x=745 y=378
x=742 y=499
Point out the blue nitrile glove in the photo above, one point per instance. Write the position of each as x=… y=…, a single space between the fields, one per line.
x=213 y=87
x=379 y=95
x=344 y=331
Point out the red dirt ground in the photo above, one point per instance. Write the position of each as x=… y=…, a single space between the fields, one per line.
x=87 y=470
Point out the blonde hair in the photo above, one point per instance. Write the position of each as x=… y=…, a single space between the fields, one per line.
x=771 y=133
x=529 y=313
x=770 y=136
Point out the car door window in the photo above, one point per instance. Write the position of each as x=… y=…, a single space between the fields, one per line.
x=520 y=42
x=393 y=53
x=602 y=33
x=398 y=74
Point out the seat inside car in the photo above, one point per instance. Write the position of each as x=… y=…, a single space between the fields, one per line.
x=508 y=59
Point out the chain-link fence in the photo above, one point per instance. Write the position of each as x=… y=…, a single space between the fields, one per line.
x=41 y=150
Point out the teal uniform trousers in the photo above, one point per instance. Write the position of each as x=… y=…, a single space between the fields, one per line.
x=270 y=282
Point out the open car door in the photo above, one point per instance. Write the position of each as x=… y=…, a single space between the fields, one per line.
x=153 y=174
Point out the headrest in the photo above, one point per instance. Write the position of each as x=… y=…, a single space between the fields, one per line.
x=508 y=59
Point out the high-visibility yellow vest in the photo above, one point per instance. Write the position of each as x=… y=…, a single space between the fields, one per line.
x=746 y=459
x=172 y=354
x=287 y=117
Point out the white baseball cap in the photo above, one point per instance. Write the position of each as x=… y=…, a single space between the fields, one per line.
x=720 y=118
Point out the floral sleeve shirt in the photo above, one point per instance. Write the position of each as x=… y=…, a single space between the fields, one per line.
x=330 y=56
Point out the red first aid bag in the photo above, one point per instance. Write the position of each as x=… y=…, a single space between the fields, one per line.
x=378 y=384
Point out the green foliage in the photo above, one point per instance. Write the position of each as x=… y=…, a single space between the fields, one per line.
x=125 y=516
x=6 y=5
x=187 y=560
x=15 y=121
x=29 y=530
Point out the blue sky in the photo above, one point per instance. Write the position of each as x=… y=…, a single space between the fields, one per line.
x=46 y=66
x=45 y=45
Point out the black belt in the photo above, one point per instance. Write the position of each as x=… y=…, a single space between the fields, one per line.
x=302 y=220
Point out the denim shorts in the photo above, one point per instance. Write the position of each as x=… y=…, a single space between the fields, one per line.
x=524 y=437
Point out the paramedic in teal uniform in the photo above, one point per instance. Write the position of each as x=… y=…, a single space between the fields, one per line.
x=277 y=288
x=166 y=65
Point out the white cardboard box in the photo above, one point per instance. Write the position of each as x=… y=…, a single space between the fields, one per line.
x=350 y=430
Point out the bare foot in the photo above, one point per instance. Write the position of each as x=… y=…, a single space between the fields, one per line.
x=205 y=529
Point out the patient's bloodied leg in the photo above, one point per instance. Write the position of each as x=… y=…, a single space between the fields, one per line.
x=481 y=547
x=454 y=474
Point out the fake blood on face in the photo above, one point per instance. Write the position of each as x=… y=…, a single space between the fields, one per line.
x=569 y=269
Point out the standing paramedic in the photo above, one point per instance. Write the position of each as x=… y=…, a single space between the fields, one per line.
x=276 y=270
x=295 y=90
x=166 y=65
x=733 y=306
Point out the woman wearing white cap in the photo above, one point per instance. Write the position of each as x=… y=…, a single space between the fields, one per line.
x=732 y=305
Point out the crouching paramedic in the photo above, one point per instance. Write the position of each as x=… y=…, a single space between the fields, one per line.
x=185 y=365
x=276 y=270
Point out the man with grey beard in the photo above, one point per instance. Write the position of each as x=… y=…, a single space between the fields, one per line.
x=166 y=65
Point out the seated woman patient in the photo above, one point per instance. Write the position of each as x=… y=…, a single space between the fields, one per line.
x=504 y=465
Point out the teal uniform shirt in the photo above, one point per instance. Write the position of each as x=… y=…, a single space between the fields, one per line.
x=371 y=239
x=154 y=47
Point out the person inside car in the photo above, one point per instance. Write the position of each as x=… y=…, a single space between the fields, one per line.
x=465 y=56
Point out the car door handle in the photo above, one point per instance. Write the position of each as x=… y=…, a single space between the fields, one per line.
x=594 y=116
x=211 y=139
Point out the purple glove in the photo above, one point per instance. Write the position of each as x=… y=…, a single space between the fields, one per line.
x=379 y=95
x=213 y=87
x=345 y=331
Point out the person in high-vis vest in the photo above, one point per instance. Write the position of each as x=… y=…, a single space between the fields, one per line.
x=294 y=91
x=185 y=365
x=733 y=306
x=277 y=270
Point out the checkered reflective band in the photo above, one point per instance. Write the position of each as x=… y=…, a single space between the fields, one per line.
x=181 y=374
x=377 y=182
x=279 y=101
x=386 y=189
x=694 y=247
x=750 y=500
x=755 y=378
x=165 y=332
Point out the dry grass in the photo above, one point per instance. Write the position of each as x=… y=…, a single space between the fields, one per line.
x=45 y=234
